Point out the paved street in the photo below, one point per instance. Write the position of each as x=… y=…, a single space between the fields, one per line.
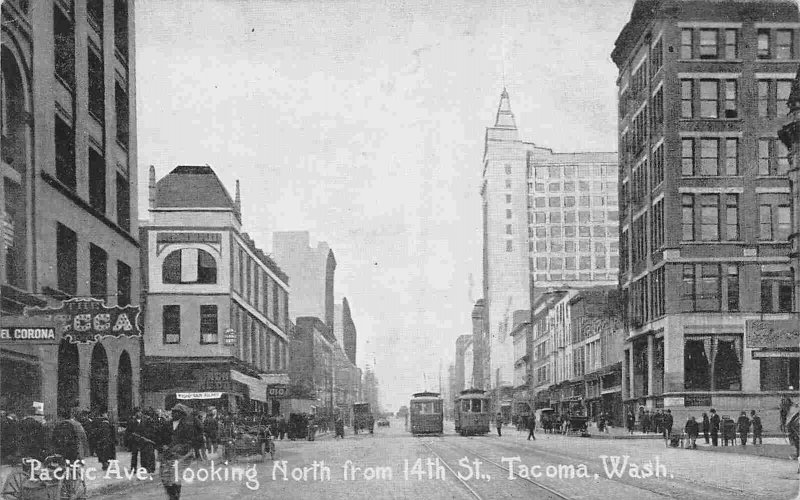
x=576 y=471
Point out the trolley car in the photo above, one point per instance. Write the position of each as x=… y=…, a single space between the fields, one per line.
x=472 y=412
x=427 y=413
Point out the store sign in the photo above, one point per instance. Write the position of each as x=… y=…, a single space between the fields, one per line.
x=188 y=238
x=697 y=400
x=88 y=320
x=213 y=380
x=25 y=331
x=668 y=401
x=198 y=395
x=277 y=390
x=772 y=334
x=229 y=337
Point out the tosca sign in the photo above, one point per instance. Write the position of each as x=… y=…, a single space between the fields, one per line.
x=277 y=390
x=88 y=320
x=772 y=334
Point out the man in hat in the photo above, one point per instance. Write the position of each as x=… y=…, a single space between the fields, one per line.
x=211 y=430
x=33 y=440
x=105 y=440
x=714 y=421
x=178 y=451
x=133 y=437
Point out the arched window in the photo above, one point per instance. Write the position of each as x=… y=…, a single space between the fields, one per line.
x=188 y=266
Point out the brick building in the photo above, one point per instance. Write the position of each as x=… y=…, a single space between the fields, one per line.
x=216 y=323
x=68 y=221
x=704 y=202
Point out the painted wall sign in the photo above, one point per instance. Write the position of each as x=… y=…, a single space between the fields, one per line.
x=198 y=395
x=87 y=320
x=189 y=238
x=772 y=334
x=19 y=330
x=229 y=337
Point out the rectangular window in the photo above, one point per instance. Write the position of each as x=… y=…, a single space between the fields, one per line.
x=709 y=157
x=171 y=324
x=65 y=153
x=731 y=102
x=765 y=222
x=656 y=57
x=764 y=156
x=97 y=181
x=67 y=259
x=708 y=288
x=687 y=157
x=731 y=156
x=509 y=246
x=732 y=285
x=763 y=44
x=732 y=217
x=585 y=262
x=508 y=214
x=657 y=112
x=658 y=165
x=97 y=86
x=123 y=203
x=763 y=98
x=123 y=284
x=709 y=99
x=657 y=225
x=688 y=288
x=731 y=49
x=686 y=43
x=687 y=217
x=121 y=28
x=774 y=217
x=208 y=324
x=687 y=107
x=508 y=198
x=508 y=228
x=783 y=44
x=708 y=44
x=776 y=288
x=98 y=272
x=94 y=8
x=122 y=114
x=64 y=47
x=709 y=217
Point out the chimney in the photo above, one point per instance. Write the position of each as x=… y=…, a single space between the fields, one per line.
x=238 y=200
x=152 y=188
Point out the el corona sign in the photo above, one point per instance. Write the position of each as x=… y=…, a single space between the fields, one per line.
x=17 y=330
x=88 y=320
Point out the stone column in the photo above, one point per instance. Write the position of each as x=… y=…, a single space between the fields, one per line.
x=625 y=374
x=650 y=352
x=84 y=374
x=630 y=371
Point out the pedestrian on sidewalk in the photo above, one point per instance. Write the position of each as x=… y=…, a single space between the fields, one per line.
x=692 y=430
x=666 y=423
x=106 y=436
x=200 y=439
x=706 y=426
x=281 y=427
x=211 y=430
x=646 y=422
x=499 y=423
x=133 y=434
x=755 y=420
x=630 y=421
x=149 y=436
x=786 y=405
x=531 y=426
x=714 y=421
x=32 y=436
x=743 y=425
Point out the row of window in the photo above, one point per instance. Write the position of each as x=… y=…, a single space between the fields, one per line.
x=258 y=344
x=569 y=246
x=570 y=171
x=712 y=43
x=583 y=262
x=570 y=217
x=583 y=201
x=715 y=217
x=638 y=236
x=67 y=268
x=637 y=189
x=570 y=186
x=570 y=231
x=569 y=276
x=259 y=289
x=171 y=324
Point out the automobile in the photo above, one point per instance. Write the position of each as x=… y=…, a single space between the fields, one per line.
x=382 y=422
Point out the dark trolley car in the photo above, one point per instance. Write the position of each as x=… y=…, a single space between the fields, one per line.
x=427 y=414
x=472 y=412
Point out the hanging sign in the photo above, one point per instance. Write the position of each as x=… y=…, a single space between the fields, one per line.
x=772 y=334
x=229 y=337
x=277 y=390
x=87 y=320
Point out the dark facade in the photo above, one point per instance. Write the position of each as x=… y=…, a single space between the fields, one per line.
x=704 y=201
x=349 y=334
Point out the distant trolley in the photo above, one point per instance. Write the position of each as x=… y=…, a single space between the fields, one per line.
x=472 y=412
x=427 y=414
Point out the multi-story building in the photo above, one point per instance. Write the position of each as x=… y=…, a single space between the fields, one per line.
x=216 y=323
x=542 y=349
x=522 y=335
x=704 y=202
x=312 y=273
x=68 y=221
x=464 y=350
x=346 y=380
x=480 y=348
x=313 y=371
x=550 y=220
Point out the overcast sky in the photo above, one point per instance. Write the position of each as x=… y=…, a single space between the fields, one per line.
x=363 y=123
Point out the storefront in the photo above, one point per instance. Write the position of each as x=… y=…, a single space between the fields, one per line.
x=95 y=365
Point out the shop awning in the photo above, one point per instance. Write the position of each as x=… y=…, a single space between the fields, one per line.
x=275 y=378
x=257 y=386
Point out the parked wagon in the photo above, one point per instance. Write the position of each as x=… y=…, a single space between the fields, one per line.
x=427 y=414
x=578 y=424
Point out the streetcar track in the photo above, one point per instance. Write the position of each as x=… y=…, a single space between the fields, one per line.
x=639 y=485
x=535 y=483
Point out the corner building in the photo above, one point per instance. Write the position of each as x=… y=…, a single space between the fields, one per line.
x=217 y=324
x=68 y=222
x=704 y=204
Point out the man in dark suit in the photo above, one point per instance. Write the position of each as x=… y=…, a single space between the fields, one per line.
x=177 y=448
x=133 y=435
x=714 y=421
